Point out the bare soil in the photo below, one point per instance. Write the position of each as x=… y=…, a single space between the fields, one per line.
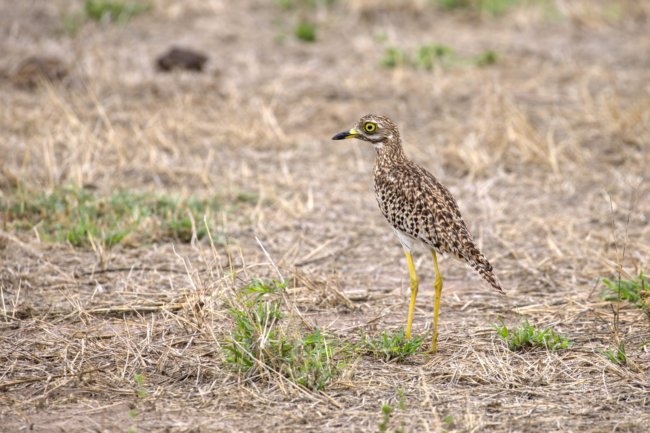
x=546 y=152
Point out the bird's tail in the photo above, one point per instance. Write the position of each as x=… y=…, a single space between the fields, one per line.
x=480 y=263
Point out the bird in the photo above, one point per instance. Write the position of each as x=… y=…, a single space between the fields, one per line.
x=419 y=208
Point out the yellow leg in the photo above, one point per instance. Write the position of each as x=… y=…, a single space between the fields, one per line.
x=414 y=292
x=437 y=284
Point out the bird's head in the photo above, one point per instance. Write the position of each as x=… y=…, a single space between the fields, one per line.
x=378 y=130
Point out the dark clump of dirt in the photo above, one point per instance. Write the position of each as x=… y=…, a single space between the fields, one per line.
x=181 y=58
x=38 y=69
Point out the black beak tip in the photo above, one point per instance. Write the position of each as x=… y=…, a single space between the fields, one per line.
x=341 y=135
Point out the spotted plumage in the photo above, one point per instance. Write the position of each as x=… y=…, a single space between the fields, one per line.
x=417 y=206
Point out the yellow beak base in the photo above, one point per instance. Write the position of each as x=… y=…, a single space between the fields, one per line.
x=346 y=134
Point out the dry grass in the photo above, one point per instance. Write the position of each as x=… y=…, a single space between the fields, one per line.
x=546 y=151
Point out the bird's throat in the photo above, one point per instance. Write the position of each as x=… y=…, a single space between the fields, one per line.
x=389 y=152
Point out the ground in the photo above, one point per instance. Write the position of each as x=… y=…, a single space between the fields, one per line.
x=545 y=147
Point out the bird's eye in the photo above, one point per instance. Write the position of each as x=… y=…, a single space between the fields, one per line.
x=370 y=127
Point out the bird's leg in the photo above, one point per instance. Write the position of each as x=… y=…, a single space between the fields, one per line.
x=414 y=291
x=437 y=284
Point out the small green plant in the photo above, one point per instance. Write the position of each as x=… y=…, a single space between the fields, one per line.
x=448 y=421
x=487 y=58
x=101 y=10
x=401 y=398
x=286 y=4
x=391 y=346
x=428 y=56
x=140 y=393
x=140 y=390
x=395 y=58
x=432 y=54
x=311 y=364
x=452 y=4
x=256 y=336
x=497 y=7
x=527 y=336
x=635 y=290
x=305 y=28
x=493 y=7
x=305 y=31
x=617 y=356
x=107 y=10
x=291 y=4
x=260 y=339
x=386 y=411
x=80 y=217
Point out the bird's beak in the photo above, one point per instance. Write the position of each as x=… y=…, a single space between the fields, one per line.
x=352 y=133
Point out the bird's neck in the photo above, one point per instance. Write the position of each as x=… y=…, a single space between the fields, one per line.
x=389 y=153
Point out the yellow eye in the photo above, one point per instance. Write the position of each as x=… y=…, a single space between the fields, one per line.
x=370 y=127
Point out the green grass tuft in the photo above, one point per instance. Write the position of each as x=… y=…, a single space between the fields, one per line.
x=391 y=346
x=304 y=16
x=635 y=290
x=395 y=58
x=432 y=54
x=260 y=340
x=429 y=56
x=528 y=336
x=292 y=4
x=113 y=11
x=140 y=390
x=617 y=356
x=305 y=31
x=80 y=217
x=388 y=412
x=448 y=421
x=487 y=58
x=493 y=7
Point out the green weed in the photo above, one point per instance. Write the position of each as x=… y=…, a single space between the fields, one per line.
x=635 y=290
x=113 y=11
x=292 y=4
x=428 y=56
x=432 y=54
x=80 y=217
x=140 y=393
x=101 y=10
x=140 y=390
x=387 y=413
x=527 y=336
x=305 y=31
x=395 y=58
x=493 y=7
x=304 y=15
x=391 y=346
x=617 y=356
x=451 y=4
x=261 y=339
x=487 y=58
